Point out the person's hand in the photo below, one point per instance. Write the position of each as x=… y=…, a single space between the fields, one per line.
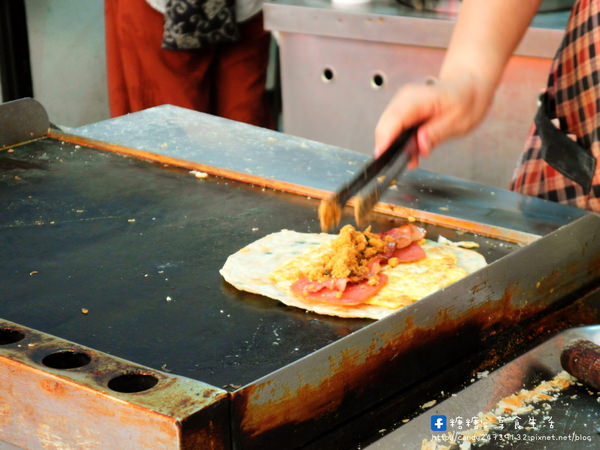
x=444 y=108
x=485 y=35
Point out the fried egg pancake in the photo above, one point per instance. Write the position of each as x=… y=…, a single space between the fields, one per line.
x=270 y=265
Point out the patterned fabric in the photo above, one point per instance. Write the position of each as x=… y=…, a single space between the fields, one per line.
x=563 y=147
x=193 y=24
x=226 y=80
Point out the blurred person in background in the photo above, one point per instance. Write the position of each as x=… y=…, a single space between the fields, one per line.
x=206 y=55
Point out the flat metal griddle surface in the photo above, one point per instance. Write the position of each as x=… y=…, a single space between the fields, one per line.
x=139 y=246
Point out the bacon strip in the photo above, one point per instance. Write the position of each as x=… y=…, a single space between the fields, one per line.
x=353 y=294
x=411 y=253
x=401 y=245
x=404 y=235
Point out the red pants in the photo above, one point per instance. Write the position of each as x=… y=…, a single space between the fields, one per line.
x=227 y=80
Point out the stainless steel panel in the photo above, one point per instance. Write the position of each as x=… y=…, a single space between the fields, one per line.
x=386 y=21
x=22 y=120
x=330 y=95
x=183 y=136
x=453 y=6
x=541 y=363
x=341 y=67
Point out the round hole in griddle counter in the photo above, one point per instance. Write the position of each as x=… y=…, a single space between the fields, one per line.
x=10 y=336
x=133 y=382
x=67 y=359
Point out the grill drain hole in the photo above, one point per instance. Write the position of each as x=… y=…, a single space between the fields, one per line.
x=10 y=336
x=133 y=382
x=66 y=360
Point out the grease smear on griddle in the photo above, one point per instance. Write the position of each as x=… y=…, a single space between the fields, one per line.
x=506 y=410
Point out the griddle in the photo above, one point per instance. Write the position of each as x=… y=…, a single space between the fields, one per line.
x=140 y=248
x=110 y=251
x=139 y=245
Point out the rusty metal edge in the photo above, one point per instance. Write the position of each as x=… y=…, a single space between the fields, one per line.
x=505 y=293
x=500 y=233
x=194 y=412
x=432 y=218
x=490 y=389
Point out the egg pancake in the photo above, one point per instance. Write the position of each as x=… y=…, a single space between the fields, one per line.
x=270 y=265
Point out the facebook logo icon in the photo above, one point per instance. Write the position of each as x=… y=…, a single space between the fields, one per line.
x=438 y=423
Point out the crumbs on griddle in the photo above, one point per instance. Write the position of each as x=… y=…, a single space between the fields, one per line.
x=507 y=409
x=348 y=255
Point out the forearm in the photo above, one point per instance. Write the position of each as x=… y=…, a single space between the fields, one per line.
x=486 y=34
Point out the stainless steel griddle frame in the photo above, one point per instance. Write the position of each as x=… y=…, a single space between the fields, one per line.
x=485 y=393
x=311 y=395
